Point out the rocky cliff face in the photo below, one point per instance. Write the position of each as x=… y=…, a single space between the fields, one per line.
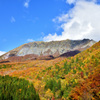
x=51 y=49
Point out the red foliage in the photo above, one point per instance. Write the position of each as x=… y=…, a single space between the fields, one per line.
x=89 y=88
x=53 y=98
x=82 y=75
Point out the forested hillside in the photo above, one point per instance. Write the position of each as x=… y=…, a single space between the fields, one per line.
x=73 y=78
x=12 y=88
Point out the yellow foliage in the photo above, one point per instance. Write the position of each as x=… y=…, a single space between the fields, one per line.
x=48 y=94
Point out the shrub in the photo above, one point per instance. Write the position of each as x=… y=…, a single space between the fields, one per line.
x=12 y=88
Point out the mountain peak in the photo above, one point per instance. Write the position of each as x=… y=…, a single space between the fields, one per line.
x=48 y=49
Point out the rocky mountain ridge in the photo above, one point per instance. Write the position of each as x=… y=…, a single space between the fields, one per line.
x=40 y=50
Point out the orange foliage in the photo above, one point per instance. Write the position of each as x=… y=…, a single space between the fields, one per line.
x=89 y=89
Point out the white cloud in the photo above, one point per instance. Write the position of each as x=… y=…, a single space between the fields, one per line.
x=82 y=21
x=71 y=1
x=62 y=18
x=2 y=52
x=26 y=3
x=30 y=40
x=12 y=19
x=75 y=1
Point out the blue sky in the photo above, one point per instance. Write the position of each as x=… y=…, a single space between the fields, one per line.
x=20 y=23
x=23 y=21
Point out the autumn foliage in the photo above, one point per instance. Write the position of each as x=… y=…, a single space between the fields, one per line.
x=12 y=88
x=72 y=78
x=89 y=89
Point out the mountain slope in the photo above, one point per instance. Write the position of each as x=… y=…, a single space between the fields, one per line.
x=66 y=79
x=48 y=50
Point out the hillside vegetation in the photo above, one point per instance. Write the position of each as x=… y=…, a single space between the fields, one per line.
x=12 y=88
x=73 y=78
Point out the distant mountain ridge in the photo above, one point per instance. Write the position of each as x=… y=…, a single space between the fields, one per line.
x=42 y=50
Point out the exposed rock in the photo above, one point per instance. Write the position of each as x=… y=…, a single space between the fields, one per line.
x=33 y=50
x=70 y=53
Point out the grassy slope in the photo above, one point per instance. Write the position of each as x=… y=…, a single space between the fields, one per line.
x=63 y=76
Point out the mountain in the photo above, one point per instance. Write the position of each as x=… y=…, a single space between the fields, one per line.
x=47 y=50
x=72 y=78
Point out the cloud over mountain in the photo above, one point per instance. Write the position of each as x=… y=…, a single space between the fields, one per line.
x=2 y=52
x=30 y=40
x=82 y=21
